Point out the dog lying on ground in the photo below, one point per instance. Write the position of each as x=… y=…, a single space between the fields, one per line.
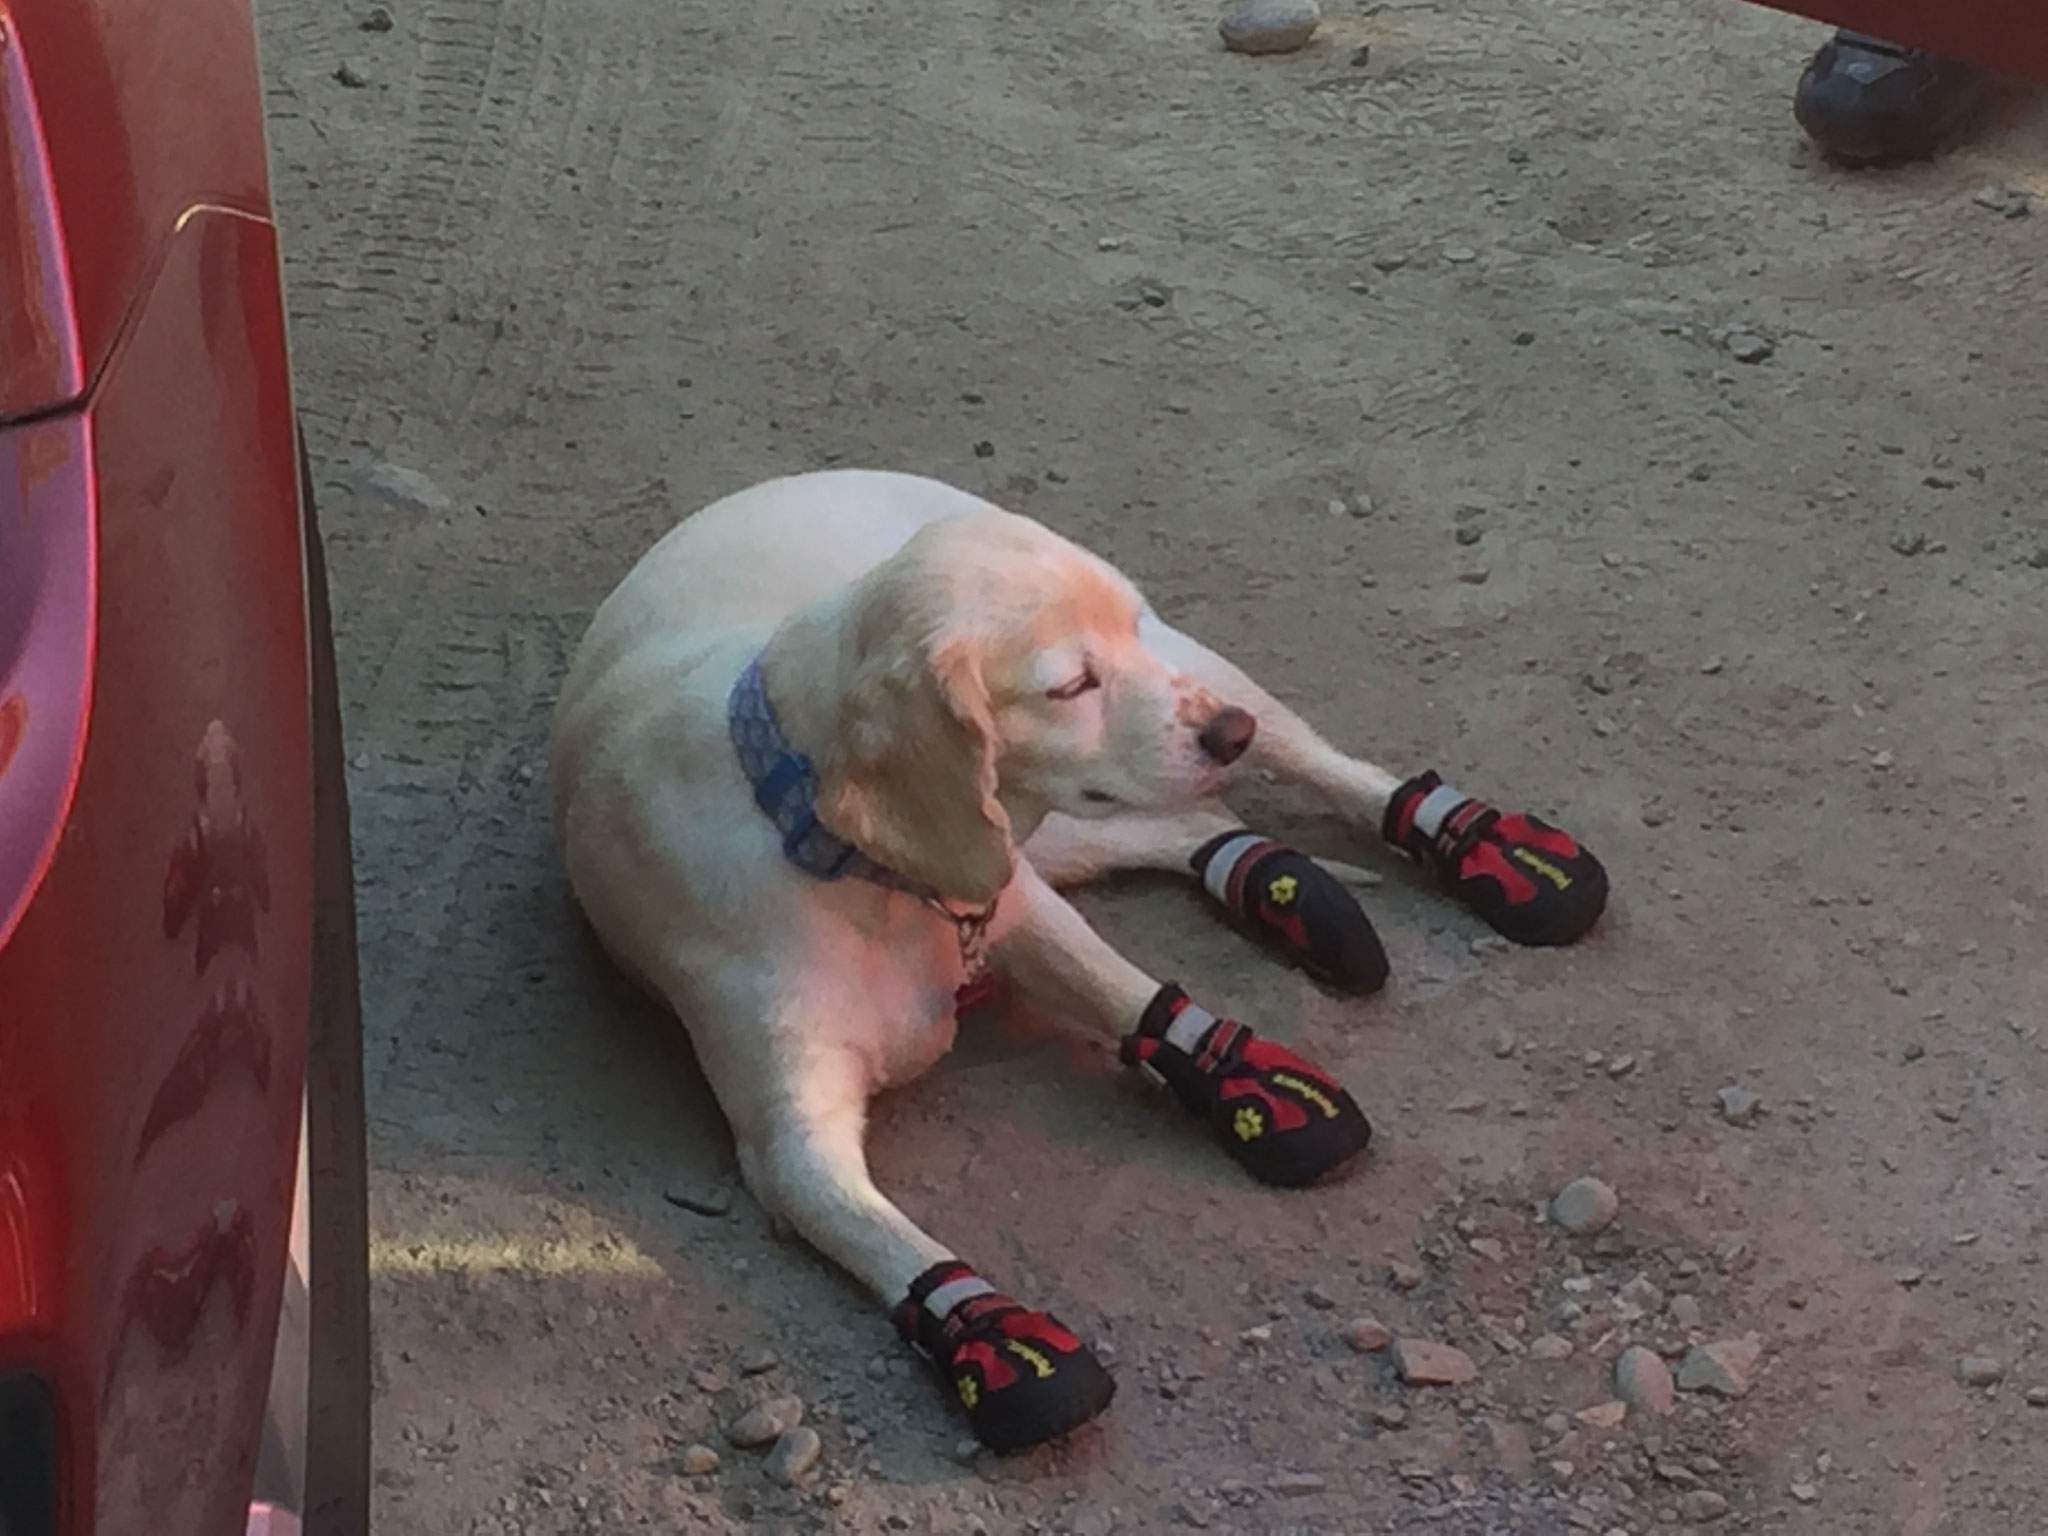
x=820 y=768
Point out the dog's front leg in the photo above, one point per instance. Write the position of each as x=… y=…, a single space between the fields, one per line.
x=1020 y=1375
x=1531 y=882
x=1285 y=1121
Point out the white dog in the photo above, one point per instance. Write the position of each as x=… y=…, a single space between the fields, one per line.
x=819 y=767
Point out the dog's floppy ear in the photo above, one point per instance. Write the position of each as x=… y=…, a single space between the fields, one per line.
x=911 y=774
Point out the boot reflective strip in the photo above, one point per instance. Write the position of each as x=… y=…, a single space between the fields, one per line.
x=1185 y=1032
x=1436 y=805
x=1224 y=861
x=945 y=1298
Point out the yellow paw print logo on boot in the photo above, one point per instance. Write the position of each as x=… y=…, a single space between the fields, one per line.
x=970 y=1392
x=1283 y=891
x=1249 y=1124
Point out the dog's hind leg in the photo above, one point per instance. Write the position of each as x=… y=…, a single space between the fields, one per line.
x=1530 y=881
x=1281 y=897
x=1021 y=1376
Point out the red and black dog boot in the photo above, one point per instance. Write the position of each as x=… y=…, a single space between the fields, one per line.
x=1529 y=881
x=1021 y=1376
x=1285 y=1122
x=1291 y=902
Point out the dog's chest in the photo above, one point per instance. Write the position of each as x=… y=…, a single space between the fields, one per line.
x=899 y=1015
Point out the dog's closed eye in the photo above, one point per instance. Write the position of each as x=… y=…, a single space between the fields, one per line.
x=1085 y=683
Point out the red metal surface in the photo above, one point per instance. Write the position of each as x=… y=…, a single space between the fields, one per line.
x=2010 y=36
x=154 y=757
x=40 y=361
x=147 y=108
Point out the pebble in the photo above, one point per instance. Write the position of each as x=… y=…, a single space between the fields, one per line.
x=1805 y=1493
x=1685 y=1311
x=705 y=1200
x=1979 y=1371
x=1643 y=1380
x=760 y=1363
x=2037 y=1397
x=2010 y=201
x=1368 y=1335
x=1738 y=1105
x=1403 y=1277
x=1642 y=1293
x=796 y=1452
x=1549 y=1346
x=1723 y=1367
x=1702 y=1506
x=1297 y=1483
x=1750 y=346
x=1425 y=1363
x=346 y=76
x=379 y=20
x=1585 y=1206
x=1621 y=1066
x=1460 y=254
x=1390 y=1416
x=698 y=1461
x=1269 y=26
x=1607 y=1415
x=1504 y=1045
x=1910 y=1276
x=1466 y=1104
x=766 y=1422
x=394 y=482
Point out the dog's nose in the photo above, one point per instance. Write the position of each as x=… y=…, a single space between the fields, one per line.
x=1227 y=735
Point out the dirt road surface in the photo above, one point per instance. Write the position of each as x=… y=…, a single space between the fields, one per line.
x=1526 y=401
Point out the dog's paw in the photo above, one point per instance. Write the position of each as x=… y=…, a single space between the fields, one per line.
x=1021 y=1377
x=1529 y=881
x=1284 y=1121
x=1296 y=906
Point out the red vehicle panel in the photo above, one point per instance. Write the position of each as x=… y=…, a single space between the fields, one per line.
x=157 y=804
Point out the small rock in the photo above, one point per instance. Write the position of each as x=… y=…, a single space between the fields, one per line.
x=759 y=1363
x=1319 y=1298
x=401 y=486
x=1642 y=1294
x=1269 y=26
x=1621 y=1066
x=1403 y=1277
x=1643 y=1380
x=1585 y=1206
x=1738 y=1105
x=2010 y=201
x=1702 y=1506
x=1979 y=1371
x=1467 y=1103
x=1910 y=1276
x=1295 y=1483
x=1503 y=1045
x=2037 y=1397
x=705 y=1200
x=1749 y=346
x=1367 y=1335
x=796 y=1452
x=1723 y=1367
x=1425 y=1363
x=766 y=1422
x=1685 y=1311
x=1805 y=1493
x=1549 y=1346
x=1491 y=1249
x=1258 y=1333
x=967 y=1450
x=379 y=20
x=346 y=76
x=1607 y=1415
x=1390 y=1416
x=1478 y=576
x=1713 y=666
x=698 y=1461
x=1908 y=542
x=1460 y=254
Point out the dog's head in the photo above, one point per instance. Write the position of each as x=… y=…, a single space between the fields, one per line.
x=994 y=673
